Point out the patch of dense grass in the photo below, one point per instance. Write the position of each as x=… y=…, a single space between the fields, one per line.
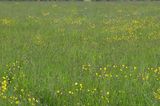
x=77 y=54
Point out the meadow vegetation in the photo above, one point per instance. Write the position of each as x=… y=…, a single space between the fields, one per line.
x=80 y=54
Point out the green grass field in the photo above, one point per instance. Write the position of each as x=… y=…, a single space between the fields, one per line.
x=80 y=53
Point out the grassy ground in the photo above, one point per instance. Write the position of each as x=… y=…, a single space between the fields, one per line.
x=80 y=54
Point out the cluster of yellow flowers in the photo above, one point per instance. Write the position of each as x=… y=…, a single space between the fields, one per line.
x=6 y=21
x=120 y=72
x=19 y=95
x=78 y=88
x=157 y=94
x=4 y=84
x=86 y=67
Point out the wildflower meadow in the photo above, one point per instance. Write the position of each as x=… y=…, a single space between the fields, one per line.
x=80 y=53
